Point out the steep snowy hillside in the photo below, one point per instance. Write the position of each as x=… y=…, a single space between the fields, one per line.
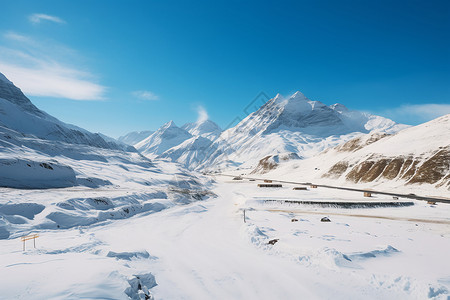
x=293 y=125
x=166 y=137
x=39 y=152
x=18 y=113
x=414 y=159
x=207 y=129
x=191 y=152
x=135 y=137
x=115 y=143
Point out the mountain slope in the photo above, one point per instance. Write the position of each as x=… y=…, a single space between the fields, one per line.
x=207 y=129
x=191 y=152
x=166 y=137
x=414 y=159
x=18 y=113
x=292 y=125
x=135 y=137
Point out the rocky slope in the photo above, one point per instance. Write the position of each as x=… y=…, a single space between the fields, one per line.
x=415 y=159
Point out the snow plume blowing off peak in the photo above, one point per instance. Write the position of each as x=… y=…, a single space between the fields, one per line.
x=202 y=114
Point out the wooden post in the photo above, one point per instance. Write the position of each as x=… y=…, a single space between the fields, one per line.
x=29 y=237
x=244 y=216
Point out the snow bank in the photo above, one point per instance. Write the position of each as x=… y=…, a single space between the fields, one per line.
x=21 y=173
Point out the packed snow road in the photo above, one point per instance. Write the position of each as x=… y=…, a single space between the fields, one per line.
x=204 y=250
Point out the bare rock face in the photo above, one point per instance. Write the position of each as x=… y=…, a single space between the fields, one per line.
x=410 y=169
x=270 y=162
x=358 y=143
x=416 y=155
x=337 y=170
x=433 y=169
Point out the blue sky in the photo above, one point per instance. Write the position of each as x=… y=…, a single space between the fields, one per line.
x=120 y=66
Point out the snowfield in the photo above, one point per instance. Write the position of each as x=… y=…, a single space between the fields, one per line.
x=202 y=249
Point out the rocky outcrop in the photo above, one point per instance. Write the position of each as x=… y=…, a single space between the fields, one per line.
x=270 y=162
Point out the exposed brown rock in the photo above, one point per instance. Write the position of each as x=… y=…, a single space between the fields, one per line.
x=359 y=170
x=409 y=172
x=393 y=168
x=375 y=171
x=265 y=165
x=270 y=162
x=445 y=182
x=352 y=145
x=357 y=143
x=433 y=169
x=337 y=170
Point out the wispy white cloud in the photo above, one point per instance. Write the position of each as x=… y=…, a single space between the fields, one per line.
x=50 y=81
x=202 y=114
x=38 y=18
x=145 y=95
x=17 y=37
x=417 y=113
x=38 y=68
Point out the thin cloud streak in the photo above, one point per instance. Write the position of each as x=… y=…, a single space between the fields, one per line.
x=48 y=82
x=38 y=72
x=145 y=95
x=38 y=18
x=417 y=113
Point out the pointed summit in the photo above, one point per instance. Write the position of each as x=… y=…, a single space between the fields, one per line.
x=298 y=96
x=169 y=125
x=278 y=98
x=164 y=138
x=207 y=129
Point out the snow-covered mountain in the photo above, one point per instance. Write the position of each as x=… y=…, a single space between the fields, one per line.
x=207 y=129
x=39 y=151
x=166 y=137
x=18 y=113
x=135 y=137
x=191 y=152
x=414 y=159
x=291 y=125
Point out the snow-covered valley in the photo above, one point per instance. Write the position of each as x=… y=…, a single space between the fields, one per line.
x=204 y=250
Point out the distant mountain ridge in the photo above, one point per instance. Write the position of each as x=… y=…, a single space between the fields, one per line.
x=134 y=137
x=186 y=145
x=166 y=137
x=282 y=126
